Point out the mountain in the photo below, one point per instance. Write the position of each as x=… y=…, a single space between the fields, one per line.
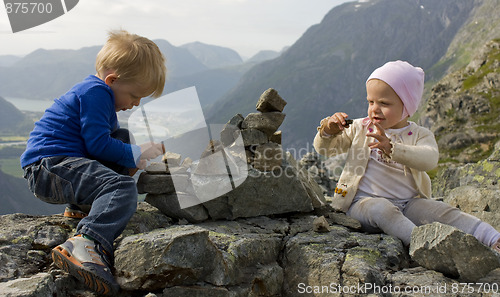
x=51 y=73
x=326 y=69
x=16 y=197
x=463 y=110
x=211 y=84
x=54 y=72
x=263 y=56
x=482 y=26
x=13 y=121
x=180 y=61
x=213 y=56
x=8 y=60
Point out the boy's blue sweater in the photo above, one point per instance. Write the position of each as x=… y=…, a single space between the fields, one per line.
x=79 y=124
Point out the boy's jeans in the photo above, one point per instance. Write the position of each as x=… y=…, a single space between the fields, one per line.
x=82 y=181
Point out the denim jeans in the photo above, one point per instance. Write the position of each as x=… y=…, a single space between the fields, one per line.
x=83 y=181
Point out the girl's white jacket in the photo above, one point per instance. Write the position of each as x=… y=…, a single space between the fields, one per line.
x=417 y=150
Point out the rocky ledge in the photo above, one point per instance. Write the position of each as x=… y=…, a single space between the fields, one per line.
x=232 y=246
x=290 y=254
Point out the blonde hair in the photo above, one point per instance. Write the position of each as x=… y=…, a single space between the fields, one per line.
x=133 y=58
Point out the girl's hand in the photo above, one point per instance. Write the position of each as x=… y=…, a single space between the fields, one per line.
x=336 y=123
x=384 y=143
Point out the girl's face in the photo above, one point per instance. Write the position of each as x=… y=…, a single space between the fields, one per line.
x=384 y=105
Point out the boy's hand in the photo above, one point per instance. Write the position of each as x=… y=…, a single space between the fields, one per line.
x=151 y=150
x=141 y=165
x=384 y=143
x=336 y=123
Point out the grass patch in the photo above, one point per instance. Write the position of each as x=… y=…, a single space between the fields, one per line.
x=13 y=138
x=433 y=173
x=11 y=167
x=487 y=68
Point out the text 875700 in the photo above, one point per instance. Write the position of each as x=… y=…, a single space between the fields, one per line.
x=28 y=8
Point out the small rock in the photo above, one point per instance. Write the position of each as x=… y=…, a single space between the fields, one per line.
x=321 y=225
x=227 y=135
x=268 y=122
x=340 y=218
x=253 y=137
x=276 y=137
x=157 y=168
x=172 y=159
x=270 y=101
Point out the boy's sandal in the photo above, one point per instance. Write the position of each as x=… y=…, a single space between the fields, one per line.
x=74 y=213
x=86 y=260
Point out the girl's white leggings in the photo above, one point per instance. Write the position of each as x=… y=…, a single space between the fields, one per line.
x=398 y=217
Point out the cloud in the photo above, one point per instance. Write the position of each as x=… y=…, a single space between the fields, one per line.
x=244 y=25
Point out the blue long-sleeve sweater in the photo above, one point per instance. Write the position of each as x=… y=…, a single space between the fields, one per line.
x=79 y=124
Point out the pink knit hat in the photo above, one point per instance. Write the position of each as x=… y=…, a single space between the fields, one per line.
x=406 y=80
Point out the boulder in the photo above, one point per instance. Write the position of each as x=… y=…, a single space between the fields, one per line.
x=268 y=157
x=255 y=256
x=39 y=285
x=483 y=203
x=169 y=204
x=336 y=259
x=454 y=253
x=265 y=193
x=181 y=255
x=162 y=183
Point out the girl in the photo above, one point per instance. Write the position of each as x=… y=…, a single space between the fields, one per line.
x=384 y=184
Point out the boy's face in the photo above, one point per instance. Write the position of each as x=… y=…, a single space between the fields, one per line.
x=127 y=94
x=384 y=105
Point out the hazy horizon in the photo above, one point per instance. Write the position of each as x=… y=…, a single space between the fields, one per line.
x=246 y=26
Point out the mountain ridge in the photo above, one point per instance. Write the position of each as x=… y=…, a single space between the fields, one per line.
x=12 y=121
x=213 y=56
x=325 y=70
x=54 y=72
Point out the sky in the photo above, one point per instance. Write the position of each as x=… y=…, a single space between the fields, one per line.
x=246 y=26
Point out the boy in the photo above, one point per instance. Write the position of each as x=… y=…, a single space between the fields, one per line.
x=61 y=158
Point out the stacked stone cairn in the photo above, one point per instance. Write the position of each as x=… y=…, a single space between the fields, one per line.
x=259 y=132
x=272 y=181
